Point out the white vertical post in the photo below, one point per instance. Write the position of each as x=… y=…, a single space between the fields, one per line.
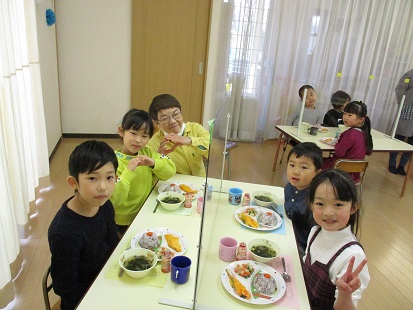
x=399 y=111
x=302 y=111
x=225 y=152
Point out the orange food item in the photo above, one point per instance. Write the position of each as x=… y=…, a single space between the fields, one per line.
x=187 y=189
x=173 y=242
x=248 y=220
x=239 y=289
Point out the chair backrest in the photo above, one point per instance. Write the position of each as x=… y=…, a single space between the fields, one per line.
x=46 y=288
x=352 y=166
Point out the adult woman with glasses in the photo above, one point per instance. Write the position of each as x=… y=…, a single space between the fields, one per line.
x=186 y=144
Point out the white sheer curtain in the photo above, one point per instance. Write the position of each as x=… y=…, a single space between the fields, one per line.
x=361 y=47
x=23 y=144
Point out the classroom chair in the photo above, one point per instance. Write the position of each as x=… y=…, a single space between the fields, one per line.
x=353 y=166
x=47 y=286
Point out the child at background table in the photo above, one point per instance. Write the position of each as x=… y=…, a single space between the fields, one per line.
x=187 y=144
x=356 y=142
x=332 y=249
x=83 y=233
x=303 y=163
x=334 y=116
x=138 y=165
x=311 y=113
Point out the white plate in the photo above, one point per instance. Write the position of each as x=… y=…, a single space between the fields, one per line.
x=259 y=212
x=164 y=187
x=160 y=232
x=258 y=267
x=329 y=141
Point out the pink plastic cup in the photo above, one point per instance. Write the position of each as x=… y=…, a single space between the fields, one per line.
x=227 y=249
x=199 y=205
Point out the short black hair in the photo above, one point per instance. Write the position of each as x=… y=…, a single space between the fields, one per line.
x=301 y=90
x=90 y=156
x=339 y=98
x=310 y=150
x=136 y=119
x=162 y=102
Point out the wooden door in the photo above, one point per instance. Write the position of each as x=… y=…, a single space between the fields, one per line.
x=169 y=44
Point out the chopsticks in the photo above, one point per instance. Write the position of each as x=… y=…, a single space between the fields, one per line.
x=156 y=206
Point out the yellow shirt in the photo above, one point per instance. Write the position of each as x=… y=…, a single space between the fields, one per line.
x=188 y=159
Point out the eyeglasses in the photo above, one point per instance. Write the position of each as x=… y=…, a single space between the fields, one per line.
x=164 y=120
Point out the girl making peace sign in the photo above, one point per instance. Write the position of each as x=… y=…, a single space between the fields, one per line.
x=332 y=247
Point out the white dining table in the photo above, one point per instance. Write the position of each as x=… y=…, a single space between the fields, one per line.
x=381 y=143
x=205 y=275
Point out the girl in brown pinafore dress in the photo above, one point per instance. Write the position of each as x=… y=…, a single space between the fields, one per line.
x=332 y=249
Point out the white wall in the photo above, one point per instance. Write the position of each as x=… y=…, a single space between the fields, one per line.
x=94 y=57
x=212 y=59
x=93 y=64
x=48 y=66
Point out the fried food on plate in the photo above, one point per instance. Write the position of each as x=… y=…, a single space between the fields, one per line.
x=248 y=220
x=239 y=289
x=187 y=189
x=173 y=242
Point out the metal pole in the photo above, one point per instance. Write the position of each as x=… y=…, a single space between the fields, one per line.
x=398 y=117
x=225 y=151
x=302 y=111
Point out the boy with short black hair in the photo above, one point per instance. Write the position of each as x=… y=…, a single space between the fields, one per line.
x=83 y=233
x=334 y=116
x=303 y=163
x=311 y=113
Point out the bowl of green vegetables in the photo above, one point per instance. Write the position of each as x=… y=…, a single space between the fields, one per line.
x=171 y=200
x=263 y=198
x=138 y=262
x=263 y=250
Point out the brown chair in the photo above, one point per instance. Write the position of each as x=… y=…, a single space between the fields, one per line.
x=353 y=166
x=47 y=286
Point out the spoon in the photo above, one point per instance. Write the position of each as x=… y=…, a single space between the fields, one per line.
x=121 y=270
x=285 y=275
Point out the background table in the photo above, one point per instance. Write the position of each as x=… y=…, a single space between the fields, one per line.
x=381 y=143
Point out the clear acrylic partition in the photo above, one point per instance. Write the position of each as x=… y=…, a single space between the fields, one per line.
x=216 y=171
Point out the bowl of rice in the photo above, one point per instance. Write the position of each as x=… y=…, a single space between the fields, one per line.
x=137 y=263
x=263 y=250
x=171 y=200
x=263 y=198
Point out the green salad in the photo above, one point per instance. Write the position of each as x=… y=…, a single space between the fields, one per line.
x=263 y=251
x=138 y=263
x=263 y=198
x=170 y=199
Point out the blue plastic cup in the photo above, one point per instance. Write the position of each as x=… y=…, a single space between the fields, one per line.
x=235 y=195
x=180 y=268
x=209 y=191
